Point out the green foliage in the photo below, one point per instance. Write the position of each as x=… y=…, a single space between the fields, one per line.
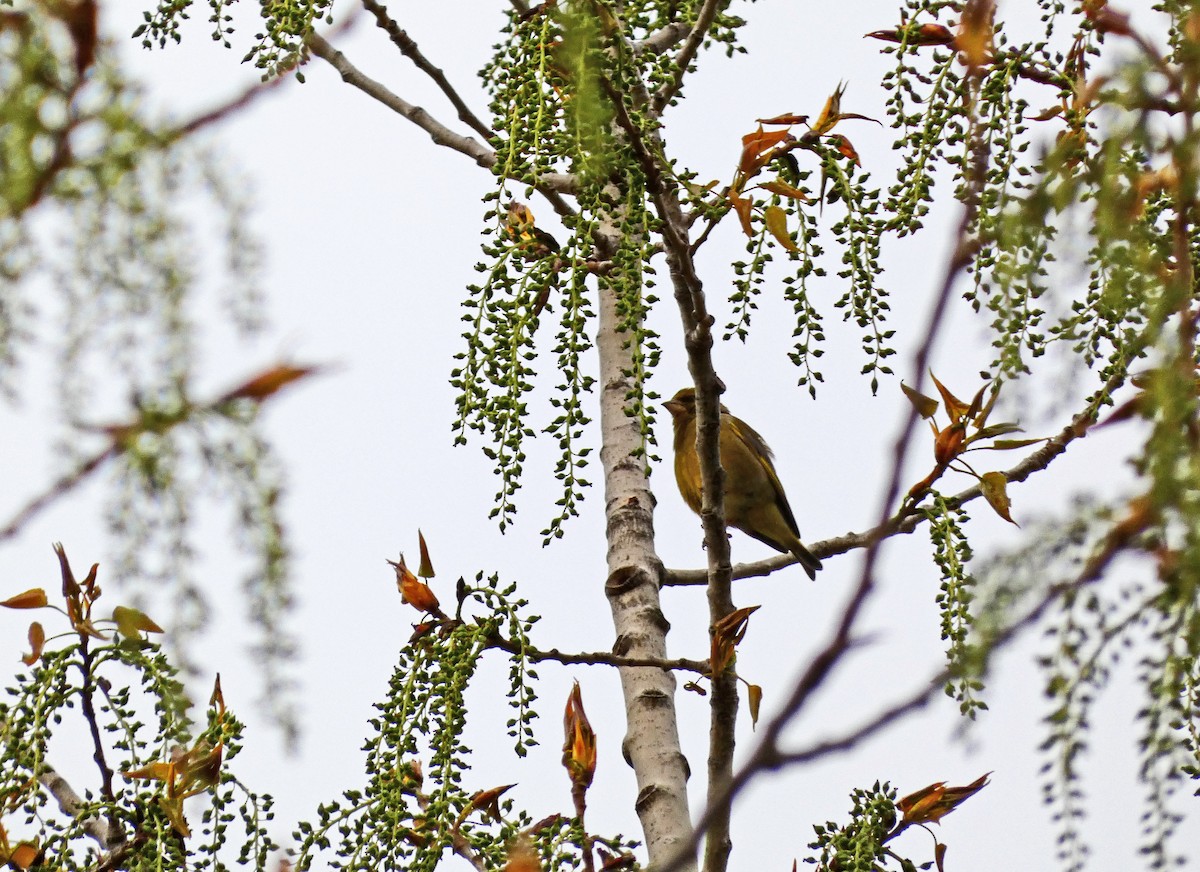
x=419 y=801
x=860 y=845
x=952 y=553
x=121 y=697
x=112 y=289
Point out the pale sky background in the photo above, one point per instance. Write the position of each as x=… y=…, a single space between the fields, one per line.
x=371 y=235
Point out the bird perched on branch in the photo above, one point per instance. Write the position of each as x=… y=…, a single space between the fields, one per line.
x=754 y=498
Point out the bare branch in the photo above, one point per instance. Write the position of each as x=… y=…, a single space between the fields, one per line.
x=597 y=658
x=229 y=107
x=71 y=802
x=61 y=486
x=438 y=132
x=686 y=55
x=550 y=185
x=408 y=47
x=662 y=39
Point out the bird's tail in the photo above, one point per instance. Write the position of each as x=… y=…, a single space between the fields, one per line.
x=810 y=563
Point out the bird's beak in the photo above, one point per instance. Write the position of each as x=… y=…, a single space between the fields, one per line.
x=675 y=408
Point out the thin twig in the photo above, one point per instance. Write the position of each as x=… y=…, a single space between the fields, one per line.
x=596 y=658
x=550 y=185
x=408 y=47
x=61 y=486
x=686 y=55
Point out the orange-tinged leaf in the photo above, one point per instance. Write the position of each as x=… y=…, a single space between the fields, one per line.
x=929 y=33
x=786 y=118
x=756 y=145
x=131 y=623
x=974 y=39
x=831 y=112
x=844 y=146
x=414 y=591
x=217 y=699
x=488 y=801
x=425 y=570
x=522 y=857
x=151 y=772
x=754 y=695
x=776 y=220
x=950 y=443
x=726 y=634
x=743 y=205
x=955 y=407
x=37 y=643
x=269 y=382
x=995 y=490
x=930 y=804
x=34 y=598
x=579 y=744
x=783 y=189
x=926 y=406
x=24 y=855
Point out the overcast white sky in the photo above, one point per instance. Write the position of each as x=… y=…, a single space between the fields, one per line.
x=372 y=234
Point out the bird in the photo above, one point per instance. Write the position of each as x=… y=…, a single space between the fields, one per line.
x=754 y=499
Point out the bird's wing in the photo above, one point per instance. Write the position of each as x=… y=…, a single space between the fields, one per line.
x=760 y=448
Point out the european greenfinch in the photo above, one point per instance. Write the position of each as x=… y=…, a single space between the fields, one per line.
x=754 y=499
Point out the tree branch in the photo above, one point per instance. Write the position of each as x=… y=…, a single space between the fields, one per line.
x=408 y=47
x=70 y=804
x=686 y=55
x=60 y=487
x=597 y=658
x=549 y=185
x=662 y=39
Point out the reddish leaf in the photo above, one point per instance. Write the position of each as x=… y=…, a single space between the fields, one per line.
x=24 y=855
x=579 y=745
x=37 y=643
x=269 y=382
x=726 y=634
x=34 y=598
x=923 y=34
x=756 y=145
x=788 y=118
x=743 y=205
x=930 y=804
x=844 y=147
x=414 y=591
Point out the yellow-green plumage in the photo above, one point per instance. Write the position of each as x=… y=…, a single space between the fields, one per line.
x=754 y=499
